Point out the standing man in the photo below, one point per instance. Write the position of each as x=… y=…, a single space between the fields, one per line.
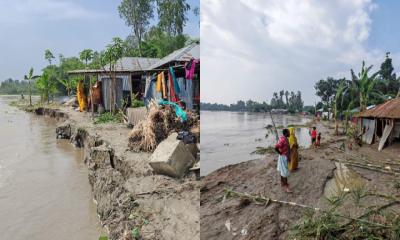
x=283 y=149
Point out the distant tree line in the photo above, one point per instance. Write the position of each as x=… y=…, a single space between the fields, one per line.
x=11 y=86
x=290 y=101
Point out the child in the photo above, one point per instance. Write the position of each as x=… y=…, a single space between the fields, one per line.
x=282 y=148
x=318 y=142
x=313 y=136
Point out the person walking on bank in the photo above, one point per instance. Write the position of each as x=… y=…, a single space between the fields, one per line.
x=282 y=147
x=294 y=147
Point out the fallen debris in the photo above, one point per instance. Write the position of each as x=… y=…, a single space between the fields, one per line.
x=172 y=158
x=159 y=124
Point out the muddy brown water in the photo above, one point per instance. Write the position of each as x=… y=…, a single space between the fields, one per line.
x=44 y=187
x=230 y=137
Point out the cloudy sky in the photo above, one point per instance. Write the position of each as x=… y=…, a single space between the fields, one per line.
x=28 y=27
x=251 y=48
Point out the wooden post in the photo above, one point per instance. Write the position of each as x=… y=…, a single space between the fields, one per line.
x=91 y=97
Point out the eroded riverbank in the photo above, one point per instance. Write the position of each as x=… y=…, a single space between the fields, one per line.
x=317 y=175
x=44 y=188
x=131 y=199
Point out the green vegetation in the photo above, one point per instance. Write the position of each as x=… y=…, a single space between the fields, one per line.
x=362 y=90
x=108 y=117
x=263 y=150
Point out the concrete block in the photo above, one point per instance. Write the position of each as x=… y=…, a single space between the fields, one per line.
x=192 y=147
x=171 y=157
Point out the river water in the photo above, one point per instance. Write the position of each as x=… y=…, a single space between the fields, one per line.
x=229 y=137
x=44 y=187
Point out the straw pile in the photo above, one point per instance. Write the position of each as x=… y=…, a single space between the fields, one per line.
x=159 y=124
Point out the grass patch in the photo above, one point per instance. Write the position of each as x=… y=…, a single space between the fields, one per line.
x=263 y=150
x=108 y=117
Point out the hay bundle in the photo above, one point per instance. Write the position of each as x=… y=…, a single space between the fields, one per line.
x=159 y=124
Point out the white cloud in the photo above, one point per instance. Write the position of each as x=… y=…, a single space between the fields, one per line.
x=251 y=48
x=22 y=11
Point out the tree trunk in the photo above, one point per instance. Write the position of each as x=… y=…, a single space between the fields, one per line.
x=30 y=93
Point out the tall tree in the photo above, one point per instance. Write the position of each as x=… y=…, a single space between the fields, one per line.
x=137 y=14
x=30 y=77
x=326 y=91
x=172 y=15
x=48 y=55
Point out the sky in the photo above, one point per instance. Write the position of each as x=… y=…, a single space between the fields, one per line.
x=252 y=48
x=28 y=27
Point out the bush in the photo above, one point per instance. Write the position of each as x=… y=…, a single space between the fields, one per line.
x=109 y=117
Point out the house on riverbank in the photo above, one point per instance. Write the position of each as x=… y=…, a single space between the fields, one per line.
x=175 y=77
x=130 y=78
x=381 y=123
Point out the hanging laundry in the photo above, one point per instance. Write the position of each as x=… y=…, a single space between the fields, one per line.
x=159 y=82
x=164 y=86
x=176 y=86
x=190 y=68
x=178 y=110
x=81 y=96
x=173 y=97
x=189 y=94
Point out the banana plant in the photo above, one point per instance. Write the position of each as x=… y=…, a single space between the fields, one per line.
x=30 y=77
x=364 y=85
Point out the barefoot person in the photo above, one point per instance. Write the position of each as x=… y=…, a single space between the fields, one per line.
x=282 y=147
x=294 y=155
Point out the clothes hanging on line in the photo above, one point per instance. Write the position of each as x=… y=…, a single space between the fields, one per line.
x=176 y=86
x=190 y=68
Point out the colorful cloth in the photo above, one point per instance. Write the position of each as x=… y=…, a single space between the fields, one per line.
x=176 y=86
x=190 y=68
x=82 y=100
x=282 y=166
x=164 y=86
x=159 y=82
x=283 y=146
x=172 y=93
x=178 y=111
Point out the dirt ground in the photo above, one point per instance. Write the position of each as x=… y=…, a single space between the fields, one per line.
x=318 y=176
x=129 y=195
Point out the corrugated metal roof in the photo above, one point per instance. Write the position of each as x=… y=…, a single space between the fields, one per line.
x=125 y=64
x=181 y=55
x=133 y=64
x=388 y=109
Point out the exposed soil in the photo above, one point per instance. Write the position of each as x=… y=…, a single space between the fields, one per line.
x=129 y=196
x=234 y=218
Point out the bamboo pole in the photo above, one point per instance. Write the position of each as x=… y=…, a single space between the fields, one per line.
x=265 y=201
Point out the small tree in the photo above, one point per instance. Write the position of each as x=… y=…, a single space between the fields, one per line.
x=110 y=56
x=46 y=86
x=30 y=78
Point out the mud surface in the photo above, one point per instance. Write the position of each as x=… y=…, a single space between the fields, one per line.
x=129 y=196
x=318 y=175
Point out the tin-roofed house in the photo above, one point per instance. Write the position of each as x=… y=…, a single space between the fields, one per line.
x=180 y=72
x=130 y=79
x=381 y=123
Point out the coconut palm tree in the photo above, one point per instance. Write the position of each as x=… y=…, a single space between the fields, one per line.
x=30 y=78
x=87 y=55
